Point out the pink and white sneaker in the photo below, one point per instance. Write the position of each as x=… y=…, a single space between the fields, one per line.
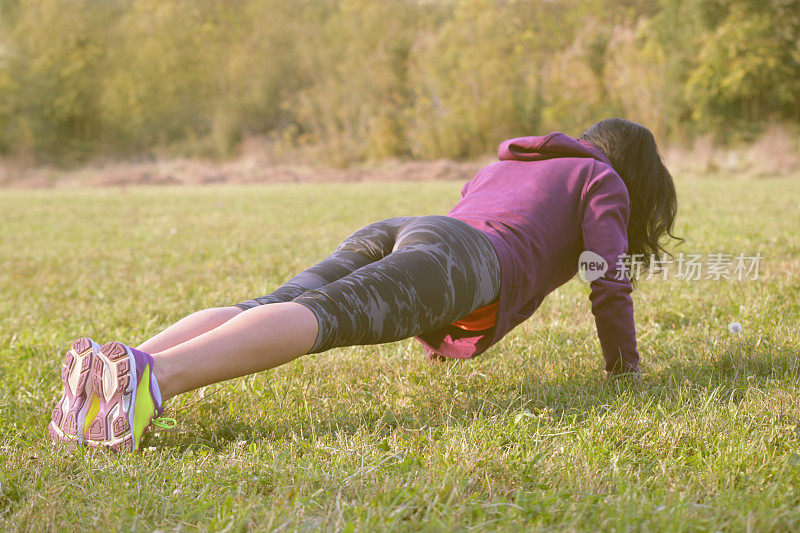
x=126 y=399
x=69 y=418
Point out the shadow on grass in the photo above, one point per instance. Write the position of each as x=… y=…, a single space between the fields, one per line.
x=569 y=398
x=737 y=361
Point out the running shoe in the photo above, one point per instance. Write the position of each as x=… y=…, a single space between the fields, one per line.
x=73 y=409
x=128 y=398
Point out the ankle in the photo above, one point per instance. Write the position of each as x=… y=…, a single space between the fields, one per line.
x=165 y=378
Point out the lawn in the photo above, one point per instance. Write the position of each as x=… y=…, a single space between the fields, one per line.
x=529 y=435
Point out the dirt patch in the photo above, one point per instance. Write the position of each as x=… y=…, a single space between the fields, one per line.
x=197 y=172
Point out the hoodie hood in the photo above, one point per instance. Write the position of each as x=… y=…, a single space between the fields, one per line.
x=550 y=146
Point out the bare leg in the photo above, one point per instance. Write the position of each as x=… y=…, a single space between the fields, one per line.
x=260 y=338
x=188 y=328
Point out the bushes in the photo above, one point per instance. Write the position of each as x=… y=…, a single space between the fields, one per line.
x=368 y=80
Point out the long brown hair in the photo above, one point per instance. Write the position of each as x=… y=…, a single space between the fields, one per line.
x=634 y=155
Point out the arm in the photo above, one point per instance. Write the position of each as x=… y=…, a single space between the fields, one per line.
x=604 y=227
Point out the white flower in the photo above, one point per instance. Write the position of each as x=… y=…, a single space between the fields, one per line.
x=735 y=328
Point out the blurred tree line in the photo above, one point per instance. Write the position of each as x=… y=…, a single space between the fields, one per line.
x=366 y=79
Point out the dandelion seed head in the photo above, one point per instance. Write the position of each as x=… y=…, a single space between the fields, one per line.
x=735 y=328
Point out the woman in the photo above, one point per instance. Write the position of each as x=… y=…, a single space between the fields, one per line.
x=457 y=282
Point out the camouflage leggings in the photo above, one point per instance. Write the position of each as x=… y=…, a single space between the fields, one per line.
x=394 y=279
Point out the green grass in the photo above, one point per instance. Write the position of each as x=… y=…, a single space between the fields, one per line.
x=529 y=435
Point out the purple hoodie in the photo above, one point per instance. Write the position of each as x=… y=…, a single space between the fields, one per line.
x=547 y=200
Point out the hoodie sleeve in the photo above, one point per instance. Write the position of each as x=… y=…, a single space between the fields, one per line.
x=604 y=227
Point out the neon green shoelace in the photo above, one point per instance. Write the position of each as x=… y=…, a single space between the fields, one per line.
x=164 y=422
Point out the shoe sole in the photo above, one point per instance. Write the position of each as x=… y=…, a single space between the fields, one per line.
x=114 y=383
x=69 y=415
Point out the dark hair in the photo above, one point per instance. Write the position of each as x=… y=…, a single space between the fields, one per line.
x=634 y=155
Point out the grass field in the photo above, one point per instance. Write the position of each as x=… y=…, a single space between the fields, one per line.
x=529 y=435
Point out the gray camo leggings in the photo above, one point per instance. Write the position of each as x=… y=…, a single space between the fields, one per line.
x=394 y=279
